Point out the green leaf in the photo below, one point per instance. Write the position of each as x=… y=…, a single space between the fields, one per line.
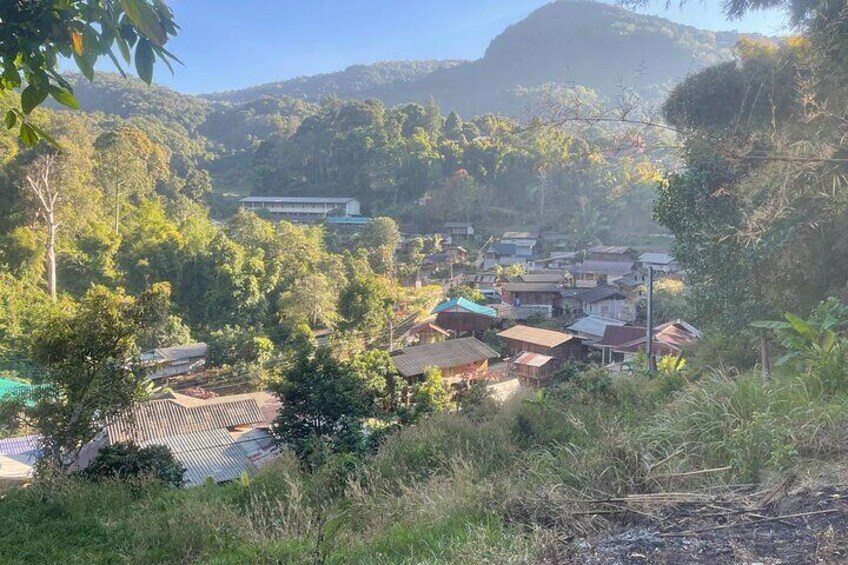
x=64 y=97
x=124 y=48
x=144 y=60
x=803 y=328
x=28 y=135
x=11 y=119
x=31 y=97
x=43 y=135
x=146 y=20
x=86 y=66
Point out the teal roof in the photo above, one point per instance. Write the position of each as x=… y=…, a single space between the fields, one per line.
x=465 y=304
x=14 y=389
x=349 y=220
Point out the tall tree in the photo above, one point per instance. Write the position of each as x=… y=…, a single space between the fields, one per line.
x=93 y=371
x=128 y=165
x=40 y=181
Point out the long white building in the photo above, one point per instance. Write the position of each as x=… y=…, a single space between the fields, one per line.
x=302 y=208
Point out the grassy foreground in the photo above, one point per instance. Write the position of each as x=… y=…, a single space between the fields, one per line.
x=489 y=487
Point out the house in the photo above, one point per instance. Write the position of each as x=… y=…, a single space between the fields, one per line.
x=591 y=329
x=503 y=255
x=671 y=338
x=302 y=209
x=660 y=262
x=459 y=230
x=458 y=359
x=603 y=301
x=544 y=297
x=457 y=254
x=462 y=316
x=533 y=369
x=612 y=253
x=558 y=345
x=614 y=338
x=589 y=274
x=426 y=332
x=556 y=261
x=550 y=277
x=218 y=438
x=166 y=362
x=18 y=456
x=526 y=243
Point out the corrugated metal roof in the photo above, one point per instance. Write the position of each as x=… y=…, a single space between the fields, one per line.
x=531 y=287
x=619 y=335
x=608 y=249
x=593 y=295
x=593 y=325
x=296 y=199
x=656 y=258
x=542 y=278
x=206 y=454
x=176 y=353
x=417 y=359
x=19 y=445
x=465 y=304
x=520 y=235
x=603 y=267
x=536 y=336
x=530 y=359
x=174 y=416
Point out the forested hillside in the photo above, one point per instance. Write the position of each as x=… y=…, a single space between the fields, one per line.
x=564 y=44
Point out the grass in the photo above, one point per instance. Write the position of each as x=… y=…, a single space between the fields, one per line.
x=493 y=489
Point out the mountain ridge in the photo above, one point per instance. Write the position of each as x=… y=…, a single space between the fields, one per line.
x=561 y=44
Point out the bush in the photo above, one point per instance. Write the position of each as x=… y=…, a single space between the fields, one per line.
x=127 y=461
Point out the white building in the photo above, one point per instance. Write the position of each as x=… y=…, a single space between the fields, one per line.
x=302 y=208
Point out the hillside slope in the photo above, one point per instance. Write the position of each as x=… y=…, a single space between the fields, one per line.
x=566 y=43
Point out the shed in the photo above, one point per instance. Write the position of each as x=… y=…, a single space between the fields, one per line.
x=526 y=294
x=533 y=369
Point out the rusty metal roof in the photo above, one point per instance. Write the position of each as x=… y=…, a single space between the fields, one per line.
x=530 y=359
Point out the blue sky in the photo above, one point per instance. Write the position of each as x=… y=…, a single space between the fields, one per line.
x=229 y=44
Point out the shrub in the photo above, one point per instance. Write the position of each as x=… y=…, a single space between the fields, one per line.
x=126 y=461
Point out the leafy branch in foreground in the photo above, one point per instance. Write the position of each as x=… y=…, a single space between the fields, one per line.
x=35 y=35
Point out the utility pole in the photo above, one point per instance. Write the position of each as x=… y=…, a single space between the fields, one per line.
x=649 y=342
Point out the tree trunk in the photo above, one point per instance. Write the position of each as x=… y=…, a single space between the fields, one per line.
x=51 y=255
x=765 y=363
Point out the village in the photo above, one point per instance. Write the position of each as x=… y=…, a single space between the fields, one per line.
x=538 y=308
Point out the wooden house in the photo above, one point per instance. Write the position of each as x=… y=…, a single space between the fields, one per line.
x=463 y=316
x=558 y=345
x=535 y=294
x=458 y=359
x=611 y=253
x=459 y=230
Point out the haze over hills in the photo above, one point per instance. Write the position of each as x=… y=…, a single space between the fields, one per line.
x=566 y=43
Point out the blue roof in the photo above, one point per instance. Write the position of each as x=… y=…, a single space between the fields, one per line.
x=349 y=220
x=465 y=304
